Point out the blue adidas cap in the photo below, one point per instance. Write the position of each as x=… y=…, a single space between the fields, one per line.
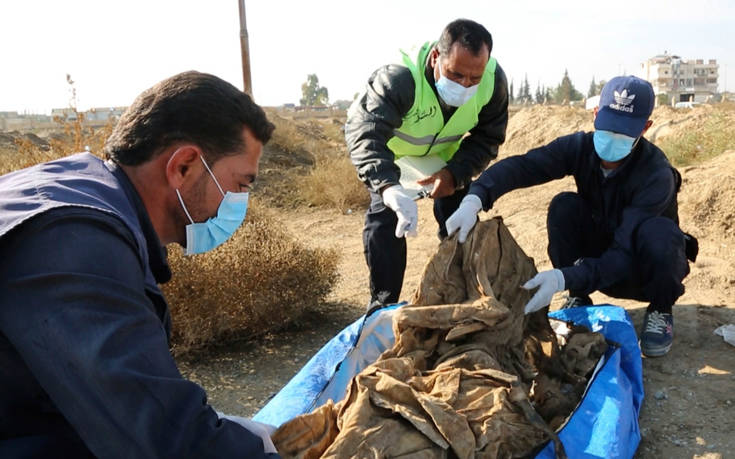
x=626 y=103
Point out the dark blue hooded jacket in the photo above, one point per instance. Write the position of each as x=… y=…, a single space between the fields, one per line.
x=643 y=186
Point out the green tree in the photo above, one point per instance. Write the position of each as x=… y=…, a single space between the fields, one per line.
x=511 y=94
x=524 y=92
x=312 y=93
x=593 y=90
x=540 y=94
x=566 y=91
x=549 y=96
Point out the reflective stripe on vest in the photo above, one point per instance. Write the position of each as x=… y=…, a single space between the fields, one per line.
x=423 y=130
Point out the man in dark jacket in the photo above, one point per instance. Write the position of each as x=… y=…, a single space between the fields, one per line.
x=444 y=106
x=84 y=328
x=619 y=232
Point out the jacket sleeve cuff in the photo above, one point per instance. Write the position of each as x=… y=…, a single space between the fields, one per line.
x=574 y=279
x=477 y=189
x=460 y=180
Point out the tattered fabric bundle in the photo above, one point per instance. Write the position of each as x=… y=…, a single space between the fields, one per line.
x=469 y=375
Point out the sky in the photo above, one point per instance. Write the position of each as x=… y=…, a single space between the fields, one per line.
x=115 y=50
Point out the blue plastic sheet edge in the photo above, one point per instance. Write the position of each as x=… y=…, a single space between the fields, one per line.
x=604 y=425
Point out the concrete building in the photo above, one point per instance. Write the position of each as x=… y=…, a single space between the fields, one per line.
x=681 y=80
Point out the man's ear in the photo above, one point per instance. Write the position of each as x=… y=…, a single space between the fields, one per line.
x=433 y=56
x=183 y=165
x=649 y=123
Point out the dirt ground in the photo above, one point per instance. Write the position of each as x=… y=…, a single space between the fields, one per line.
x=689 y=404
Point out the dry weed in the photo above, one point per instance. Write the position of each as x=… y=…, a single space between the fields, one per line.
x=327 y=179
x=702 y=141
x=333 y=183
x=73 y=137
x=259 y=281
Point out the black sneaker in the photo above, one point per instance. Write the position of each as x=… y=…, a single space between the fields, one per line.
x=575 y=301
x=658 y=333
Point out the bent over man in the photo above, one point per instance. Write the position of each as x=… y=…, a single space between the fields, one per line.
x=84 y=328
x=447 y=101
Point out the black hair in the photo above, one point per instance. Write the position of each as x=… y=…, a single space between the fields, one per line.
x=469 y=34
x=188 y=107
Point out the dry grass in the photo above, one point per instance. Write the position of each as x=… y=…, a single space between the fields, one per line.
x=259 y=281
x=319 y=171
x=703 y=141
x=73 y=137
x=333 y=183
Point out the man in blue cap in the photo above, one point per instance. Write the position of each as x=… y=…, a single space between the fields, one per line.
x=619 y=233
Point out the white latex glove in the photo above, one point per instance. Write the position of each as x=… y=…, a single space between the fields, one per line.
x=405 y=208
x=264 y=431
x=548 y=283
x=465 y=217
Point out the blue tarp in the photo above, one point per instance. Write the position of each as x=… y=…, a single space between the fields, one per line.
x=605 y=424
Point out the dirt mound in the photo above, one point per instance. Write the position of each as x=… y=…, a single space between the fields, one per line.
x=297 y=148
x=706 y=211
x=537 y=125
x=669 y=122
x=707 y=196
x=9 y=140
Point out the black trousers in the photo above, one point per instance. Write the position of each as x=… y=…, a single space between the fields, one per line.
x=385 y=254
x=659 y=260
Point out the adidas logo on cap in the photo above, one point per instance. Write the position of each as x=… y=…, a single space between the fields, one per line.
x=622 y=98
x=623 y=101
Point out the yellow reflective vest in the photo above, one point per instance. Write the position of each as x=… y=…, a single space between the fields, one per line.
x=423 y=130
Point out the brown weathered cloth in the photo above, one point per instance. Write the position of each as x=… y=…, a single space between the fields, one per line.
x=469 y=375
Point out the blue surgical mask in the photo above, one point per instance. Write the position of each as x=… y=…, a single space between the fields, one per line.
x=451 y=92
x=611 y=146
x=205 y=236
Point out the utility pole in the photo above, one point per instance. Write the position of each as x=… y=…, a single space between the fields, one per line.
x=245 y=51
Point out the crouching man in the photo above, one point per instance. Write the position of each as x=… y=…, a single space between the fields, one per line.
x=619 y=233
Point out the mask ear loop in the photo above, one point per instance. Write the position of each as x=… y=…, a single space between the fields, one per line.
x=184 y=206
x=210 y=173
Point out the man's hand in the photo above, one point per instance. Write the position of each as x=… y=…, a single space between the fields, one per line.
x=548 y=283
x=443 y=183
x=465 y=217
x=405 y=208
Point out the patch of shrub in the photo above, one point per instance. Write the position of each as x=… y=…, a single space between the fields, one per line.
x=259 y=281
x=320 y=173
x=333 y=183
x=702 y=142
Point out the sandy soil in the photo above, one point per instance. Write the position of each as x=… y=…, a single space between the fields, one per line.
x=689 y=405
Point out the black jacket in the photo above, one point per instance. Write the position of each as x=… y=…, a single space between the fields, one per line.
x=644 y=186
x=380 y=109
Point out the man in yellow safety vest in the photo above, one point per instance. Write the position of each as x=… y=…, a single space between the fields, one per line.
x=442 y=111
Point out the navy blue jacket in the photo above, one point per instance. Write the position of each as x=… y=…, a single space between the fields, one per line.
x=84 y=354
x=644 y=186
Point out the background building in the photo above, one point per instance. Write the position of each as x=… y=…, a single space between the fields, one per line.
x=681 y=80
